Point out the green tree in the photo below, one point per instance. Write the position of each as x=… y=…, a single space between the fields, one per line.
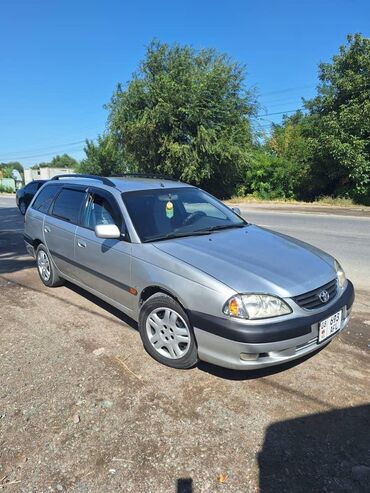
x=63 y=161
x=186 y=114
x=6 y=169
x=103 y=158
x=288 y=158
x=338 y=130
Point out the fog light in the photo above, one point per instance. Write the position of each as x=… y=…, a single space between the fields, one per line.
x=249 y=356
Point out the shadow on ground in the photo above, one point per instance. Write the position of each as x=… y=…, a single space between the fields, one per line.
x=324 y=452
x=321 y=452
x=102 y=304
x=13 y=254
x=184 y=485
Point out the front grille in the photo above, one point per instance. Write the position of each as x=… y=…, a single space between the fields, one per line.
x=312 y=300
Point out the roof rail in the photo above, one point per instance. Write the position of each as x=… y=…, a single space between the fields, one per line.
x=104 y=180
x=146 y=175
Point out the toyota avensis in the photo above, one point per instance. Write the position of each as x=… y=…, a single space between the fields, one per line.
x=201 y=281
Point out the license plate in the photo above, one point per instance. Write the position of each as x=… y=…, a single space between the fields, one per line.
x=329 y=326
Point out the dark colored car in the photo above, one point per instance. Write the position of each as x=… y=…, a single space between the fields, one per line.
x=24 y=195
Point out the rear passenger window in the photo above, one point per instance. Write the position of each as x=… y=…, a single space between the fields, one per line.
x=45 y=197
x=32 y=187
x=68 y=204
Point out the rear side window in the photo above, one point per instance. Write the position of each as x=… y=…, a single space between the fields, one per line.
x=68 y=204
x=45 y=198
x=32 y=187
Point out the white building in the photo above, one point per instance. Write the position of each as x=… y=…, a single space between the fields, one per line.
x=45 y=173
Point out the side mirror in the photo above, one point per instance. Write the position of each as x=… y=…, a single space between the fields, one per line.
x=108 y=231
x=236 y=210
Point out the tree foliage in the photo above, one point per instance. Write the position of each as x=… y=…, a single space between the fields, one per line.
x=332 y=141
x=103 y=158
x=186 y=114
x=6 y=169
x=340 y=122
x=63 y=161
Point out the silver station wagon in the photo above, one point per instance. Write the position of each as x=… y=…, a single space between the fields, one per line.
x=202 y=283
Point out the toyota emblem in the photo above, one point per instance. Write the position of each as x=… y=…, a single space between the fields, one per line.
x=324 y=296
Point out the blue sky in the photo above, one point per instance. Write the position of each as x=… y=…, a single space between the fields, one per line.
x=61 y=60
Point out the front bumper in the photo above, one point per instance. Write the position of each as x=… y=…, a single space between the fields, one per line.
x=274 y=342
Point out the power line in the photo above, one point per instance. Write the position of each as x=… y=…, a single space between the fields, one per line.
x=46 y=148
x=15 y=155
x=43 y=155
x=291 y=89
x=42 y=149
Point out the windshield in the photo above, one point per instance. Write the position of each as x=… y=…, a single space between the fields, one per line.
x=170 y=213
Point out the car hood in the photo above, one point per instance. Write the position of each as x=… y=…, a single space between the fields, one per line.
x=254 y=259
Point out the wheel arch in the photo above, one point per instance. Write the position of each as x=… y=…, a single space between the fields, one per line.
x=36 y=242
x=149 y=291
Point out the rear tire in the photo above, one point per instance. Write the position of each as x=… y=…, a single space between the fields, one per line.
x=166 y=332
x=46 y=268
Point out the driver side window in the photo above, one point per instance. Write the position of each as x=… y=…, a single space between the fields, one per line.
x=100 y=210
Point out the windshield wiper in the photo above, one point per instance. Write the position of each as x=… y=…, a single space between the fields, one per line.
x=179 y=234
x=224 y=226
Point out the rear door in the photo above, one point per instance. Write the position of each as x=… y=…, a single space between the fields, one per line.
x=60 y=227
x=104 y=264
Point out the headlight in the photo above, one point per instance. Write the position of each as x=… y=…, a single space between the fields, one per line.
x=341 y=276
x=254 y=306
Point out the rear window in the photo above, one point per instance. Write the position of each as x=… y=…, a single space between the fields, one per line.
x=44 y=198
x=68 y=204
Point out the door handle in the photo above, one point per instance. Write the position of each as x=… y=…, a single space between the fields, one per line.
x=47 y=229
x=81 y=244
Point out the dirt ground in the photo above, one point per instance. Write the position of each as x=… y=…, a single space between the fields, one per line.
x=84 y=409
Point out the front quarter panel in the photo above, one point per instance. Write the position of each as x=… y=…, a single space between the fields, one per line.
x=194 y=289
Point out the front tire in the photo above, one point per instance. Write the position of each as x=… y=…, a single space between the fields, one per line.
x=46 y=268
x=166 y=332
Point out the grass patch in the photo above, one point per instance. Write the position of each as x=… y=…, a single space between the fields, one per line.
x=321 y=201
x=336 y=201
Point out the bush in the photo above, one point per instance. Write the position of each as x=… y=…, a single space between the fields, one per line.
x=4 y=189
x=271 y=177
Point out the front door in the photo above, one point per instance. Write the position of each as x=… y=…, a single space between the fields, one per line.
x=104 y=264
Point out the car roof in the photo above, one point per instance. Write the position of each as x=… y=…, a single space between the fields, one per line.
x=123 y=184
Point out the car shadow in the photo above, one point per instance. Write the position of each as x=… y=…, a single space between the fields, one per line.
x=13 y=254
x=104 y=305
x=184 y=485
x=328 y=451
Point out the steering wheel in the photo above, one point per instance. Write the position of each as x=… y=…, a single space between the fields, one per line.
x=194 y=216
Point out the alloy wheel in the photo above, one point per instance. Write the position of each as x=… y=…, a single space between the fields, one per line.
x=43 y=265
